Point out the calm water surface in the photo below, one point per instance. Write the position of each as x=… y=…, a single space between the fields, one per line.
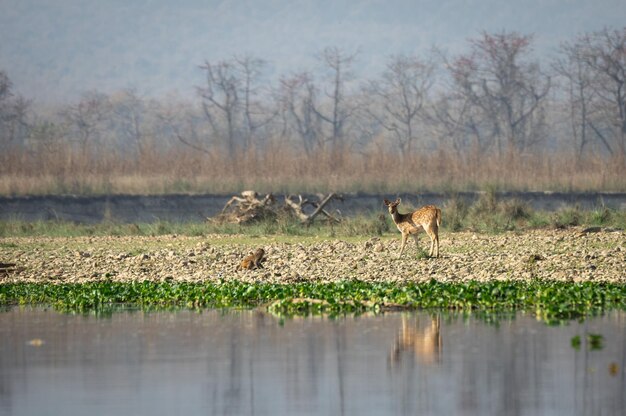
x=251 y=363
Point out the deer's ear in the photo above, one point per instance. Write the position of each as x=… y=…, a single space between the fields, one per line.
x=386 y=202
x=397 y=201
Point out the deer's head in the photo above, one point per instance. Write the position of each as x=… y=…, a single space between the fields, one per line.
x=392 y=206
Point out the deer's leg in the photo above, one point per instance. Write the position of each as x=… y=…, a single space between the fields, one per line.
x=432 y=236
x=417 y=241
x=404 y=238
x=432 y=247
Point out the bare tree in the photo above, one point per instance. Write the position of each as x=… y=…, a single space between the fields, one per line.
x=453 y=120
x=231 y=101
x=255 y=112
x=13 y=112
x=297 y=97
x=87 y=118
x=339 y=110
x=46 y=143
x=604 y=53
x=130 y=113
x=177 y=120
x=220 y=100
x=505 y=90
x=579 y=91
x=399 y=97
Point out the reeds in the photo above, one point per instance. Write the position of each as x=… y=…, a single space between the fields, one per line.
x=283 y=169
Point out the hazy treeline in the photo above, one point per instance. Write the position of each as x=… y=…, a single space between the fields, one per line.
x=493 y=114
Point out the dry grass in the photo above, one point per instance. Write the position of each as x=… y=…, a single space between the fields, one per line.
x=281 y=169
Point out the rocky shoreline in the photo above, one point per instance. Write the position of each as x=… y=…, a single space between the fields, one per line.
x=572 y=254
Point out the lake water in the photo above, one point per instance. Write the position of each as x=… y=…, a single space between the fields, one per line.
x=252 y=363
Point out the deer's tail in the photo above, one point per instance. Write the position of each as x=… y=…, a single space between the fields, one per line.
x=438 y=217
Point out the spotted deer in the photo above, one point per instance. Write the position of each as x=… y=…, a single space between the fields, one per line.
x=427 y=218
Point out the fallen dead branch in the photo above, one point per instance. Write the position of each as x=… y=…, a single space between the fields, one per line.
x=248 y=207
x=298 y=208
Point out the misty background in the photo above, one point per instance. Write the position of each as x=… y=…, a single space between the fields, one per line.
x=53 y=50
x=101 y=97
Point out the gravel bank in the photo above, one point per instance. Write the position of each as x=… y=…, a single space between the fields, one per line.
x=564 y=255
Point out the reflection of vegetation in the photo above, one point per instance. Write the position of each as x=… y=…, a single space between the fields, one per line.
x=289 y=307
x=550 y=301
x=594 y=342
x=576 y=342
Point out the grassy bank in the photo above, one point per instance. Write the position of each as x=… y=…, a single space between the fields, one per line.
x=488 y=215
x=550 y=301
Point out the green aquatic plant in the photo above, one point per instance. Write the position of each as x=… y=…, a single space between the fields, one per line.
x=550 y=301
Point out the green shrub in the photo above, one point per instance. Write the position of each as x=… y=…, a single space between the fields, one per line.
x=568 y=217
x=515 y=210
x=454 y=213
x=601 y=216
x=487 y=202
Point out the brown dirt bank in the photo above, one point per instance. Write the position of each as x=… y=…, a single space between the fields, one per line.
x=567 y=255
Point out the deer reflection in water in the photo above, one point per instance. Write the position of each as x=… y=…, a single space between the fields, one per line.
x=423 y=342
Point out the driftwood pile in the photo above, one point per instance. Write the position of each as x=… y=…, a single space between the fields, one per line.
x=249 y=208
